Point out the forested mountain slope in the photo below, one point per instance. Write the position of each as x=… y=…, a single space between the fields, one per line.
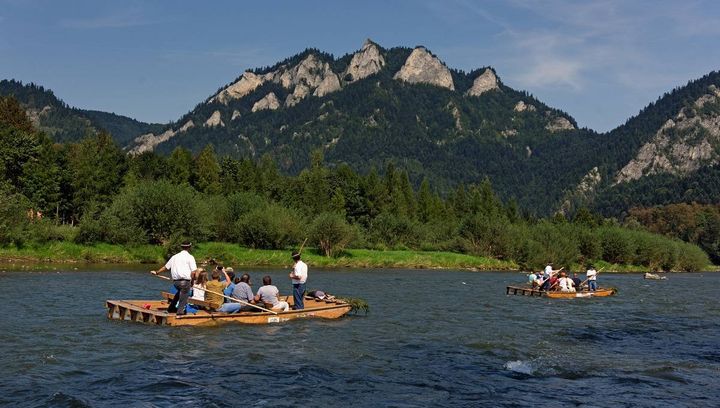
x=396 y=105
x=67 y=124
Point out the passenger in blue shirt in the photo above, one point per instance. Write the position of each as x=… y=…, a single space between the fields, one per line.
x=229 y=288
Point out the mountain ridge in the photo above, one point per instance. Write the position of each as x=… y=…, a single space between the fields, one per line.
x=403 y=105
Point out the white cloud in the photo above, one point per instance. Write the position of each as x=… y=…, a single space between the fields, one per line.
x=553 y=71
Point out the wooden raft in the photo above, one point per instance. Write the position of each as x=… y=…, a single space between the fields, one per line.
x=155 y=312
x=527 y=291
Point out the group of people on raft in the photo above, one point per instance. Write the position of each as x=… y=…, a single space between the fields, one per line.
x=556 y=279
x=231 y=294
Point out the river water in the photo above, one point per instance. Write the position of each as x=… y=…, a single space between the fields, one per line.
x=432 y=338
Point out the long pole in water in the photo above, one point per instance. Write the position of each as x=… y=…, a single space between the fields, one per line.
x=227 y=297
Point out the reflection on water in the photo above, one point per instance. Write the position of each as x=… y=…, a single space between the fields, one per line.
x=433 y=338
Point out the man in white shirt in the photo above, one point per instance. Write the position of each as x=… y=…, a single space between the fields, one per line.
x=181 y=267
x=591 y=276
x=298 y=275
x=549 y=271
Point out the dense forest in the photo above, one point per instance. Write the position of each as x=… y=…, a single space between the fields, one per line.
x=90 y=191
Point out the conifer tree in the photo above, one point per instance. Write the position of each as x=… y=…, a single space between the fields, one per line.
x=206 y=172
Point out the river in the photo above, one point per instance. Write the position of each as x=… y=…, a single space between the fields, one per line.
x=432 y=338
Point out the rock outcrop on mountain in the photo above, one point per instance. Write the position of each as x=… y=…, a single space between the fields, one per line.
x=330 y=83
x=559 y=124
x=522 y=107
x=214 y=120
x=583 y=193
x=309 y=76
x=424 y=68
x=366 y=62
x=683 y=144
x=487 y=81
x=247 y=83
x=270 y=101
x=147 y=142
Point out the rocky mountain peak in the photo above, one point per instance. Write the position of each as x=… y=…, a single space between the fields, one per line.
x=423 y=67
x=487 y=81
x=367 y=61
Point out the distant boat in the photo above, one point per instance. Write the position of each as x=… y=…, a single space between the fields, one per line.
x=654 y=276
x=556 y=294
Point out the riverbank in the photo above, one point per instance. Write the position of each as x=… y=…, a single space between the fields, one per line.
x=237 y=256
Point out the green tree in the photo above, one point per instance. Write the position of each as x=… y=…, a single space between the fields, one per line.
x=206 y=172
x=42 y=178
x=331 y=233
x=179 y=166
x=97 y=166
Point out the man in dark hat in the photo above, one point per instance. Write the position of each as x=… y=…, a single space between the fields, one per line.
x=298 y=275
x=181 y=266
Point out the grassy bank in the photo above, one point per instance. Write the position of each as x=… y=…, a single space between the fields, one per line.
x=235 y=255
x=230 y=254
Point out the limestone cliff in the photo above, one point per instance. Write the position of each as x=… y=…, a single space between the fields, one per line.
x=522 y=107
x=214 y=120
x=423 y=67
x=487 y=81
x=559 y=124
x=247 y=83
x=366 y=62
x=269 y=101
x=682 y=144
x=147 y=142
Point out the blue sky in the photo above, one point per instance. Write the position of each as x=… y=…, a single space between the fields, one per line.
x=600 y=61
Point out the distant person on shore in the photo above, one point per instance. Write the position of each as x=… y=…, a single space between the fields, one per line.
x=243 y=291
x=298 y=275
x=577 y=282
x=591 y=276
x=181 y=266
x=268 y=294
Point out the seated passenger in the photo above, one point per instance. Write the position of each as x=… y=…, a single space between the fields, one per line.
x=199 y=282
x=532 y=278
x=577 y=282
x=268 y=294
x=214 y=293
x=229 y=288
x=244 y=292
x=566 y=284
